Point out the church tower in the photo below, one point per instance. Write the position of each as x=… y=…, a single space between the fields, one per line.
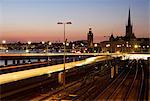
x=90 y=38
x=129 y=34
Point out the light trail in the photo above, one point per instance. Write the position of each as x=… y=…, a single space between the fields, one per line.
x=15 y=76
x=52 y=54
x=124 y=55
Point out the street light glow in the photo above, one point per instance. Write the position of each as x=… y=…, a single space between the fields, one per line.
x=6 y=51
x=43 y=42
x=73 y=45
x=50 y=43
x=95 y=45
x=67 y=44
x=3 y=41
x=29 y=42
x=135 y=46
x=27 y=51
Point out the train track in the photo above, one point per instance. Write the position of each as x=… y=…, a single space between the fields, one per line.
x=111 y=88
x=95 y=84
x=128 y=87
x=125 y=86
x=89 y=90
x=79 y=88
x=136 y=89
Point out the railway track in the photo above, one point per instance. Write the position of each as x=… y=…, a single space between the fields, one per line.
x=84 y=89
x=128 y=87
x=125 y=86
x=135 y=90
x=112 y=87
x=80 y=88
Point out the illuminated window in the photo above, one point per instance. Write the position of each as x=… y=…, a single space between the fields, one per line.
x=108 y=45
x=135 y=46
x=118 y=45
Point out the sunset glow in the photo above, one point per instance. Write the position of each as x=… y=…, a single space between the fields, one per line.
x=36 y=20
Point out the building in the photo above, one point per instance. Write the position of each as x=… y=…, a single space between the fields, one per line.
x=127 y=43
x=129 y=34
x=90 y=40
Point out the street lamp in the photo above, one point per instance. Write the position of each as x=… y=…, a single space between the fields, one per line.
x=135 y=46
x=95 y=48
x=27 y=47
x=3 y=44
x=3 y=41
x=95 y=45
x=67 y=44
x=48 y=44
x=43 y=42
x=64 y=23
x=29 y=42
x=44 y=49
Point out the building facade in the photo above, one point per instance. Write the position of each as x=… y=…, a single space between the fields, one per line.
x=90 y=40
x=126 y=44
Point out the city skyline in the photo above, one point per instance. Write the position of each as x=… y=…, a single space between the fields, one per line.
x=36 y=20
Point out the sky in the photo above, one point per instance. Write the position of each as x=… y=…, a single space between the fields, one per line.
x=36 y=20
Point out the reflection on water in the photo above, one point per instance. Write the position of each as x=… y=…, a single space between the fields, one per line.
x=10 y=62
x=20 y=51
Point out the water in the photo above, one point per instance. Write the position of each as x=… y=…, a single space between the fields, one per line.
x=19 y=51
x=10 y=62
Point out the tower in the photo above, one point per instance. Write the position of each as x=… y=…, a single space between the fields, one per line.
x=111 y=38
x=90 y=38
x=129 y=34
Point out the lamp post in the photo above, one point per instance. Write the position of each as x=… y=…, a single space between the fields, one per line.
x=27 y=47
x=47 y=48
x=135 y=47
x=48 y=44
x=43 y=46
x=3 y=44
x=64 y=58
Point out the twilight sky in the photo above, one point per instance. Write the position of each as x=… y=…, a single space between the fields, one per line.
x=36 y=20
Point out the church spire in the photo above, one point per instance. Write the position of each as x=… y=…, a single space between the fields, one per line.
x=129 y=33
x=129 y=19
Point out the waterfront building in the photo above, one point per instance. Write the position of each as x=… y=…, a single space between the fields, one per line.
x=127 y=43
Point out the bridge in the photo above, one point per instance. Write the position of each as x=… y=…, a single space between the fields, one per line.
x=50 y=73
x=45 y=55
